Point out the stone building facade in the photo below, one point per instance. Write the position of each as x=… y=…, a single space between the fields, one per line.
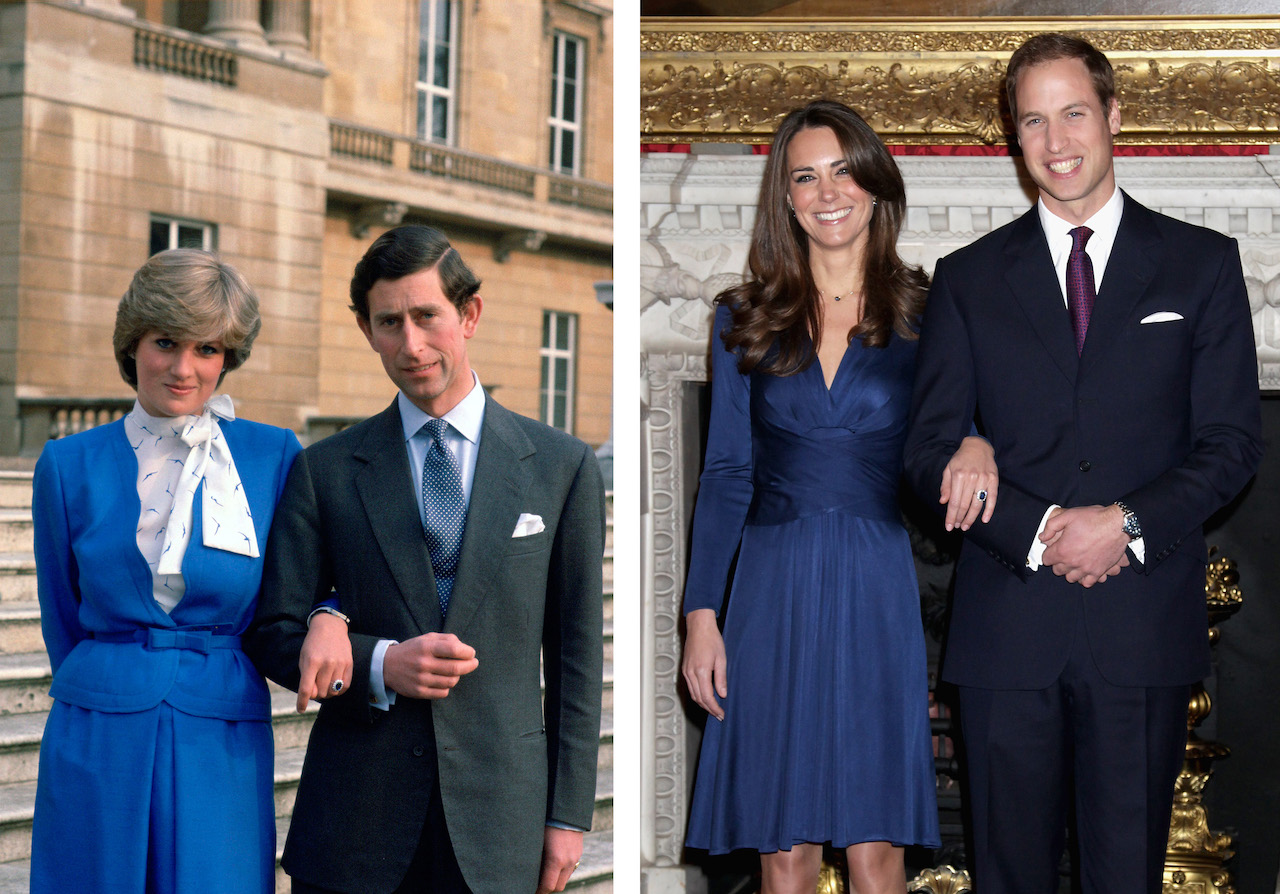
x=287 y=134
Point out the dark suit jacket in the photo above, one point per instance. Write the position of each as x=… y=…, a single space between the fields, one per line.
x=507 y=763
x=1163 y=416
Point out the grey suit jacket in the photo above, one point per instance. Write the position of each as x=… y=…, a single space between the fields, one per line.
x=506 y=761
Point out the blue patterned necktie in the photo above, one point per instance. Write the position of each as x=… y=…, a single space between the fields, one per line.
x=1080 y=289
x=446 y=508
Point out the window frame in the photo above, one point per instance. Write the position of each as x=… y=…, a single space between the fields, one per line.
x=209 y=232
x=550 y=355
x=427 y=35
x=558 y=126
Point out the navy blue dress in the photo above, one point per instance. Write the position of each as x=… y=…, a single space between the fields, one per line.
x=826 y=731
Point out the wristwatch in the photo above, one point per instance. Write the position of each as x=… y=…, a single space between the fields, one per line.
x=1131 y=526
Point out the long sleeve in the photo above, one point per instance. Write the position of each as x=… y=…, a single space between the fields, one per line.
x=943 y=407
x=1226 y=433
x=573 y=648
x=56 y=571
x=725 y=487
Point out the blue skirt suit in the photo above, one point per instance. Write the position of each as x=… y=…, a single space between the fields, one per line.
x=156 y=766
x=826 y=730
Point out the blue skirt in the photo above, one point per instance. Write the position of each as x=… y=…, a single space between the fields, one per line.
x=153 y=802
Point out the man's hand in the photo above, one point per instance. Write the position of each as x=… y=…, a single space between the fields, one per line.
x=1086 y=543
x=427 y=666
x=561 y=851
x=704 y=663
x=325 y=657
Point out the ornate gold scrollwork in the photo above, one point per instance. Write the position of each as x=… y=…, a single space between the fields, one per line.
x=930 y=82
x=943 y=880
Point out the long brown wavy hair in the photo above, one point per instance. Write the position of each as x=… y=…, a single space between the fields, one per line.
x=779 y=303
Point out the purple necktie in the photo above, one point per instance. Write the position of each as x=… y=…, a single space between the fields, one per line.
x=1080 y=293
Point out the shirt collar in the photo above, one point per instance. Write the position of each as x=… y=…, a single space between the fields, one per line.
x=466 y=417
x=1105 y=223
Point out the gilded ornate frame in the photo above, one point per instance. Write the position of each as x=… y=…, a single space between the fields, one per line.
x=1180 y=80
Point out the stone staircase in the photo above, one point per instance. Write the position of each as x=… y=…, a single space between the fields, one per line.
x=24 y=705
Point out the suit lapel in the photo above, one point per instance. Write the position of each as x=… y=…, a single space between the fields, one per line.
x=496 y=493
x=385 y=490
x=1130 y=269
x=1030 y=275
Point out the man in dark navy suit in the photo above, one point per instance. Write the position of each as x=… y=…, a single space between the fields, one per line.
x=1107 y=353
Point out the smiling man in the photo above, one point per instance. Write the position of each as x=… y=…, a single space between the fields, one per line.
x=465 y=544
x=1107 y=353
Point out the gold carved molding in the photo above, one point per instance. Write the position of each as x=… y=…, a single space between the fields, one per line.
x=1180 y=80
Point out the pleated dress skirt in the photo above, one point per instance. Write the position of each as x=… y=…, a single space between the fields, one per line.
x=826 y=733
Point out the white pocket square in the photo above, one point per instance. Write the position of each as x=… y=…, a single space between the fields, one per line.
x=528 y=524
x=1164 y=316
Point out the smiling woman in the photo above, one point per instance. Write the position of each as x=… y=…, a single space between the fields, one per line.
x=157 y=754
x=813 y=361
x=176 y=377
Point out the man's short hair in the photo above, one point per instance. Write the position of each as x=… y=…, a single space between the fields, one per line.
x=1049 y=48
x=407 y=250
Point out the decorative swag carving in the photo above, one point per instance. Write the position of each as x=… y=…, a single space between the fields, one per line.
x=1180 y=80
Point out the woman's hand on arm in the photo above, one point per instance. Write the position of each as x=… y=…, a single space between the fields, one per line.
x=970 y=472
x=325 y=659
x=704 y=664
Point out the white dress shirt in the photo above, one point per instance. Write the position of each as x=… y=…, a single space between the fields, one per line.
x=1105 y=224
x=463 y=437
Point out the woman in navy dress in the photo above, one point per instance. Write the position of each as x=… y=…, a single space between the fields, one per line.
x=156 y=765
x=817 y=687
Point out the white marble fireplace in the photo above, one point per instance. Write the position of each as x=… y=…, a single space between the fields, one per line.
x=696 y=215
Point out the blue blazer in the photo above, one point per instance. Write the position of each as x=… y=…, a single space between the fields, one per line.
x=93 y=581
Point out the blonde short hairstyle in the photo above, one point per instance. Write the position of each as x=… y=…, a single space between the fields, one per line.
x=187 y=294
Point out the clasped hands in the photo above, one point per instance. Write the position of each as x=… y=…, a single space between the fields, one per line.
x=1086 y=544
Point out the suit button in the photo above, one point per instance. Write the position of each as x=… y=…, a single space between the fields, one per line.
x=1085 y=465
x=417 y=750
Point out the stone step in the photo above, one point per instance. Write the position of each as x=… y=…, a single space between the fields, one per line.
x=20 y=746
x=606 y=700
x=17 y=802
x=595 y=875
x=17 y=577
x=602 y=816
x=20 y=627
x=14 y=877
x=24 y=682
x=15 y=489
x=16 y=531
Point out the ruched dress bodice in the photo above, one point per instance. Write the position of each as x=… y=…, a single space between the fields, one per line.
x=825 y=736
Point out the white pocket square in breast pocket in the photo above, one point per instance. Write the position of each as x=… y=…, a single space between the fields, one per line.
x=528 y=524
x=1164 y=316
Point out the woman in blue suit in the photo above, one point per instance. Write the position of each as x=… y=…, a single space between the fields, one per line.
x=156 y=766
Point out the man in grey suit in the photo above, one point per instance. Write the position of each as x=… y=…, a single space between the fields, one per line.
x=442 y=770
